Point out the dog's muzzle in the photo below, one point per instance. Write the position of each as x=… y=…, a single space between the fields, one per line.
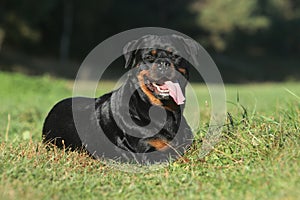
x=162 y=70
x=163 y=66
x=161 y=80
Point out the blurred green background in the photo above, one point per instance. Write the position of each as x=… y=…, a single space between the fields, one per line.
x=251 y=41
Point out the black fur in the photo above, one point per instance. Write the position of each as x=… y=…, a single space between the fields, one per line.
x=107 y=114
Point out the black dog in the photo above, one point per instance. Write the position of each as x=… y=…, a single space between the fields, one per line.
x=118 y=124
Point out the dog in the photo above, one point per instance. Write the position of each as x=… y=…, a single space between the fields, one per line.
x=119 y=125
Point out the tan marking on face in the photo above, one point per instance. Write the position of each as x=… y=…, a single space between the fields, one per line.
x=144 y=88
x=182 y=70
x=153 y=52
x=172 y=65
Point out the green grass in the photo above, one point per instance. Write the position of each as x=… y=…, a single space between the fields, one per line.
x=258 y=157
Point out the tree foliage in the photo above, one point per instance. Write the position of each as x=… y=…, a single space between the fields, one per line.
x=39 y=26
x=221 y=18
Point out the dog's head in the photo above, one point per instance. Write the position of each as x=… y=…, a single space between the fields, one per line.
x=160 y=70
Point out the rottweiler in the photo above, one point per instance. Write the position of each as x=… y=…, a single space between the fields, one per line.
x=143 y=116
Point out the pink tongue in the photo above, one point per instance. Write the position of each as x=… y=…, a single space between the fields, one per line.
x=175 y=91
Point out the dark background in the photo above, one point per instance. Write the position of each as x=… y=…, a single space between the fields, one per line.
x=250 y=40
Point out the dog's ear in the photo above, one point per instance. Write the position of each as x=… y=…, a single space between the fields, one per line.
x=190 y=46
x=129 y=51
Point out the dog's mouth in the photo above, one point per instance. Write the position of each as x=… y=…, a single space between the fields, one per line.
x=166 y=89
x=159 y=89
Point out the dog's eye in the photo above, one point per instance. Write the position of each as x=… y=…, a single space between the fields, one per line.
x=170 y=50
x=174 y=57
x=149 y=58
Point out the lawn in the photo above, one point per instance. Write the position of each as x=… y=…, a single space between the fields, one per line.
x=257 y=158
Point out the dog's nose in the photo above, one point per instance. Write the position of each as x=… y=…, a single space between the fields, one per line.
x=163 y=66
